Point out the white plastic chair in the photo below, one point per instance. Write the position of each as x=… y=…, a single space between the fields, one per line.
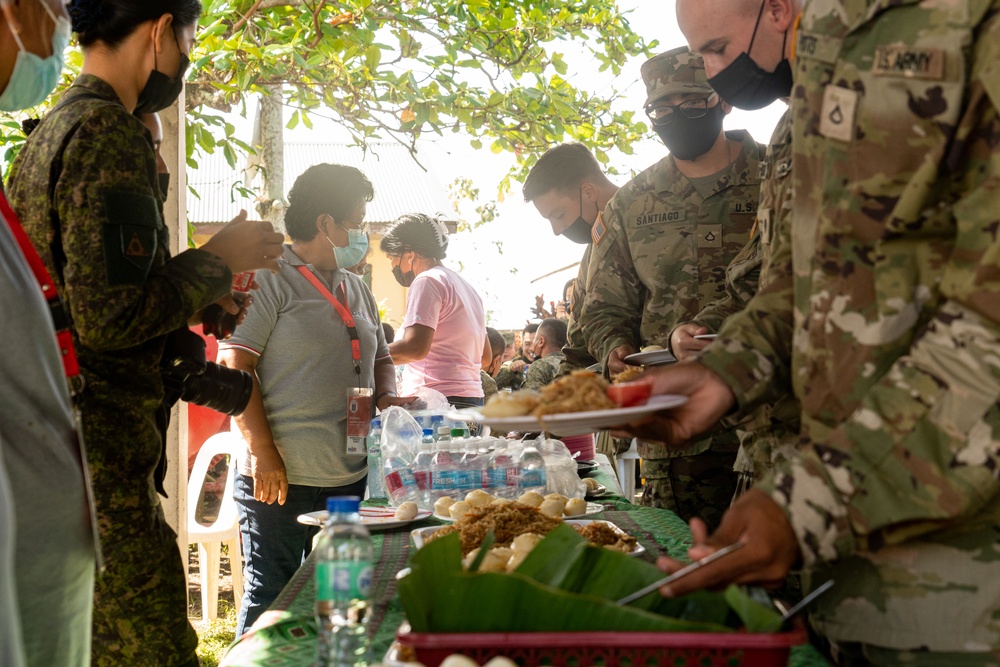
x=625 y=462
x=225 y=529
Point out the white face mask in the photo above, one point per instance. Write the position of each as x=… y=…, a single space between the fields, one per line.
x=33 y=78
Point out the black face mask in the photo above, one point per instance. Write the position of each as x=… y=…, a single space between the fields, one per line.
x=745 y=85
x=164 y=181
x=404 y=279
x=580 y=230
x=160 y=90
x=690 y=138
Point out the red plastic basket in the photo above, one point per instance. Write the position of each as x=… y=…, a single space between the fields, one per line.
x=610 y=649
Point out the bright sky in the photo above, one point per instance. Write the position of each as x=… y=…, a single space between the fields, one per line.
x=529 y=249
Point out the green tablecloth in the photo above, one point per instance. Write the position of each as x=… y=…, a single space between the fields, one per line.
x=286 y=633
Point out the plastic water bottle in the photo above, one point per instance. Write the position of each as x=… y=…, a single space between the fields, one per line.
x=376 y=483
x=443 y=471
x=400 y=483
x=422 y=471
x=531 y=470
x=501 y=468
x=470 y=474
x=343 y=583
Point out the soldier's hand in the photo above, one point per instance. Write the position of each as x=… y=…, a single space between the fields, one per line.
x=616 y=360
x=683 y=343
x=246 y=245
x=769 y=551
x=709 y=399
x=270 y=482
x=517 y=366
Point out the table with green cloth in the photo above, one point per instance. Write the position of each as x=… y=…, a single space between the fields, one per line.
x=286 y=633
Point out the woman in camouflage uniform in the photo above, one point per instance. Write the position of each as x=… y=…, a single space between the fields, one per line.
x=86 y=187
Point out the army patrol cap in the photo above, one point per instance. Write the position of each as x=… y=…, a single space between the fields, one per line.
x=675 y=71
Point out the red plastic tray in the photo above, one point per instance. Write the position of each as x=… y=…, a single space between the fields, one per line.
x=610 y=649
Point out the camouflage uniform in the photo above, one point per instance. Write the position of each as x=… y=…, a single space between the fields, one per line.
x=883 y=316
x=508 y=379
x=660 y=256
x=489 y=384
x=773 y=427
x=104 y=241
x=543 y=371
x=575 y=352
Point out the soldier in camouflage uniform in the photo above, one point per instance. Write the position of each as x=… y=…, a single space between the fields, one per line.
x=549 y=341
x=569 y=189
x=85 y=186
x=773 y=428
x=661 y=254
x=883 y=317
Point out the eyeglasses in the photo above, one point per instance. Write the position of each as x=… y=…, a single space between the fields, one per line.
x=354 y=224
x=663 y=114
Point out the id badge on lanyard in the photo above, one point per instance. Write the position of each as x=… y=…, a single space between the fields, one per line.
x=359 y=416
x=359 y=399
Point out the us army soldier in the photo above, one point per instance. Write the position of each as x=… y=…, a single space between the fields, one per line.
x=660 y=256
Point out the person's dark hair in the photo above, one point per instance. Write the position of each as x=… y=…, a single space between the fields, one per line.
x=497 y=342
x=553 y=331
x=563 y=168
x=390 y=333
x=425 y=235
x=330 y=189
x=111 y=21
x=571 y=283
x=531 y=328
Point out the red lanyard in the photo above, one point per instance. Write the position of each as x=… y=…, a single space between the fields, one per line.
x=343 y=310
x=56 y=308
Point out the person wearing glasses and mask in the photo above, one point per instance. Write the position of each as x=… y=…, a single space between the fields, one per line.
x=660 y=256
x=444 y=343
x=85 y=186
x=312 y=337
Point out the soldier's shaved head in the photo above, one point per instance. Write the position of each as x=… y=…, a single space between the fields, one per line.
x=721 y=42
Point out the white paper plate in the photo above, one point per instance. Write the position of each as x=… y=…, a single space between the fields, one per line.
x=651 y=358
x=418 y=535
x=592 y=509
x=374 y=518
x=575 y=423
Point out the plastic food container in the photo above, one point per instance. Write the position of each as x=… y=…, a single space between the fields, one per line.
x=610 y=649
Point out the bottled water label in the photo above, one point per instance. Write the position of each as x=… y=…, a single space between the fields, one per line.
x=343 y=581
x=399 y=483
x=533 y=477
x=502 y=477
x=444 y=480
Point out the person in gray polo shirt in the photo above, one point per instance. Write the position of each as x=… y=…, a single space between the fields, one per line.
x=311 y=335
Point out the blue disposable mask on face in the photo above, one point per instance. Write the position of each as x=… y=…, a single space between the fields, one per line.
x=357 y=248
x=33 y=77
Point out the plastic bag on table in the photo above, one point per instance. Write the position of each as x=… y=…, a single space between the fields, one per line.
x=429 y=401
x=560 y=469
x=401 y=434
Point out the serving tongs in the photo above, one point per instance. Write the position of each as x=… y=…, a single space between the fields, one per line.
x=683 y=572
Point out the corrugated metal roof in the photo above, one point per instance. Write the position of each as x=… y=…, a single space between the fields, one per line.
x=401 y=185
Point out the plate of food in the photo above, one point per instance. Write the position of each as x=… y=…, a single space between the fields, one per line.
x=374 y=518
x=584 y=468
x=514 y=522
x=555 y=505
x=594 y=488
x=576 y=404
x=652 y=355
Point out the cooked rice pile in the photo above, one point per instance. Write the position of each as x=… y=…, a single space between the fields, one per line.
x=603 y=535
x=578 y=392
x=507 y=521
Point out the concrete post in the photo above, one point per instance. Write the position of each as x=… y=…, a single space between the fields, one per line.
x=175 y=213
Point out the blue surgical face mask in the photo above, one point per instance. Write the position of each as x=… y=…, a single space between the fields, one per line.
x=357 y=248
x=33 y=78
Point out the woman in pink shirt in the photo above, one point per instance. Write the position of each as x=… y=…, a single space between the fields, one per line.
x=444 y=342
